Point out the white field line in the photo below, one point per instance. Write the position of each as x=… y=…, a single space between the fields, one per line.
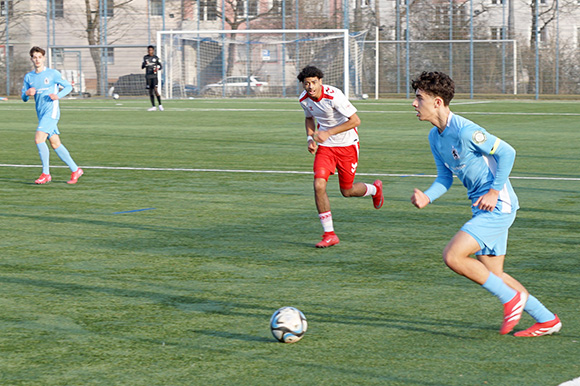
x=120 y=106
x=194 y=170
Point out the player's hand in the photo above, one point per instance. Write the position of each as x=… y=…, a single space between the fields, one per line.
x=488 y=201
x=54 y=97
x=321 y=136
x=419 y=199
x=312 y=146
x=31 y=91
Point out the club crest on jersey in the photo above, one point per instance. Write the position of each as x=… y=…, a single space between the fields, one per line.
x=455 y=153
x=46 y=81
x=479 y=137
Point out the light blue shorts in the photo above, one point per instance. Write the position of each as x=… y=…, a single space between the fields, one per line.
x=490 y=230
x=49 y=126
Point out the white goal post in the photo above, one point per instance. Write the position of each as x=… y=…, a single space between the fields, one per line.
x=255 y=63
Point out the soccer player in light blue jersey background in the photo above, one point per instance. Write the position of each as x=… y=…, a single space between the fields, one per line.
x=482 y=162
x=47 y=86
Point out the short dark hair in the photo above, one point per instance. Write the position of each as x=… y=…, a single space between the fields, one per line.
x=150 y=47
x=437 y=84
x=310 y=72
x=37 y=49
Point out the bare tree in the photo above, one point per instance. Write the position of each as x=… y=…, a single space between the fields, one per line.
x=236 y=15
x=11 y=10
x=94 y=12
x=547 y=14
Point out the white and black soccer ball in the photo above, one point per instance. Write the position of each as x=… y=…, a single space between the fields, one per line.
x=115 y=96
x=288 y=324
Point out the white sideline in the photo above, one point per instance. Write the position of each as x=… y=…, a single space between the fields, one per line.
x=573 y=382
x=270 y=172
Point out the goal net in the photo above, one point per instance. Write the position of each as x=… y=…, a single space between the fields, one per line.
x=256 y=63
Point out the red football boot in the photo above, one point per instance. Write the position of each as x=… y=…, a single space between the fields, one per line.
x=378 y=198
x=74 y=177
x=328 y=239
x=539 y=329
x=43 y=179
x=512 y=312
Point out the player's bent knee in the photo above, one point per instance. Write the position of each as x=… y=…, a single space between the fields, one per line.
x=347 y=192
x=451 y=260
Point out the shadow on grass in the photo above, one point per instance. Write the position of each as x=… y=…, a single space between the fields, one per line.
x=236 y=336
x=190 y=303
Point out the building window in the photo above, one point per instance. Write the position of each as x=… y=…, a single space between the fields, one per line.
x=3 y=5
x=58 y=56
x=109 y=55
x=110 y=8
x=289 y=10
x=252 y=9
x=155 y=8
x=543 y=37
x=441 y=15
x=58 y=8
x=496 y=33
x=207 y=10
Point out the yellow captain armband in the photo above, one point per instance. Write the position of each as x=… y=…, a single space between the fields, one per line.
x=495 y=146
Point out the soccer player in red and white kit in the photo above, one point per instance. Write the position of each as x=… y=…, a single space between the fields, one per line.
x=336 y=145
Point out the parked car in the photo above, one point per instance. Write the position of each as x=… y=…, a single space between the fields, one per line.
x=235 y=86
x=130 y=85
x=184 y=91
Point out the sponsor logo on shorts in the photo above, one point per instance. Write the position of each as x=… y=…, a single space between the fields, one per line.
x=354 y=165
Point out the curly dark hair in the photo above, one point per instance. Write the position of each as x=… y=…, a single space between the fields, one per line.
x=310 y=72
x=436 y=84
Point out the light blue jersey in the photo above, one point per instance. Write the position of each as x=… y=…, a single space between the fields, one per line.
x=46 y=82
x=482 y=162
x=479 y=159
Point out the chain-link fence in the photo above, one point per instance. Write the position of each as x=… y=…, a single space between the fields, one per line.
x=488 y=46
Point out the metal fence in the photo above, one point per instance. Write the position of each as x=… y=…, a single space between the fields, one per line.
x=487 y=47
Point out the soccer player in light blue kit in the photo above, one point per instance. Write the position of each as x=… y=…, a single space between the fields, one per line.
x=482 y=162
x=44 y=83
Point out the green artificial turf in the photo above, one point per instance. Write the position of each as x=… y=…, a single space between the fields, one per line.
x=190 y=227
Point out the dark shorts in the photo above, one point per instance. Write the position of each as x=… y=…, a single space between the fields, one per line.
x=151 y=82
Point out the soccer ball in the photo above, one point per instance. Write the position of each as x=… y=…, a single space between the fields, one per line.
x=115 y=96
x=288 y=324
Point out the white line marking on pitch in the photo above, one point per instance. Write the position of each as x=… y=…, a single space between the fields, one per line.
x=270 y=172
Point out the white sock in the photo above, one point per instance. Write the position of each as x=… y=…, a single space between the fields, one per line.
x=326 y=221
x=371 y=190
